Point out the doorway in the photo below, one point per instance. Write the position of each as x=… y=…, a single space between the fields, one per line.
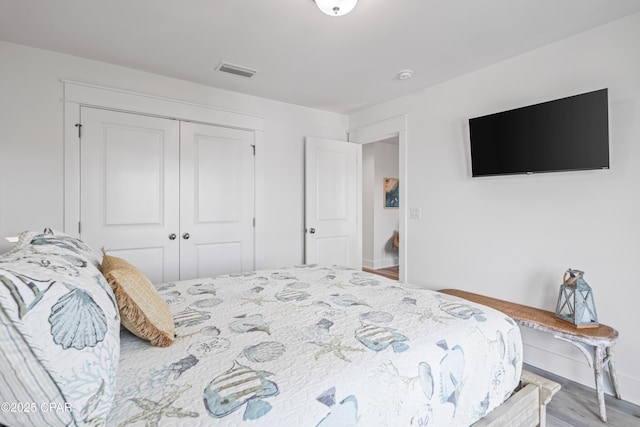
x=380 y=207
x=393 y=127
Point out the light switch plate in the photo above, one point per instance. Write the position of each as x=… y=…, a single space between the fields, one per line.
x=415 y=213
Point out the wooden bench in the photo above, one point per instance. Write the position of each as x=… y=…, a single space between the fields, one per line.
x=597 y=344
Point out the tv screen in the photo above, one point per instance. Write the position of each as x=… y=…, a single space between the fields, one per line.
x=561 y=135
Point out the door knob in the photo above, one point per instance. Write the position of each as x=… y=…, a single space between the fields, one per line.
x=172 y=236
x=312 y=231
x=186 y=236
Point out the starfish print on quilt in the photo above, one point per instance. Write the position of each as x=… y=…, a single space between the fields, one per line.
x=335 y=347
x=152 y=411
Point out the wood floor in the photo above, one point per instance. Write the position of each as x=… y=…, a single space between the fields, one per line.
x=389 y=272
x=576 y=405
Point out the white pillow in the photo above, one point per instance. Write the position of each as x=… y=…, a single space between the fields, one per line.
x=62 y=326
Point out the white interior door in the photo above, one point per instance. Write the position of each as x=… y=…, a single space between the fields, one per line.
x=332 y=202
x=217 y=200
x=129 y=188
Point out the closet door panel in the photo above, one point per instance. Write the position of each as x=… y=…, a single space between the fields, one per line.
x=133 y=175
x=217 y=200
x=227 y=256
x=130 y=189
x=218 y=179
x=149 y=260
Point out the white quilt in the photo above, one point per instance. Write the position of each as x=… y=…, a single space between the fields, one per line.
x=317 y=346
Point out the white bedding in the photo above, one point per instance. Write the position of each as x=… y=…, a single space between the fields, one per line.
x=317 y=346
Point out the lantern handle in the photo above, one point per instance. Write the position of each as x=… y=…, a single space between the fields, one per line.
x=572 y=279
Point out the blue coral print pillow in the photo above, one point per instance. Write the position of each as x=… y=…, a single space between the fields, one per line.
x=64 y=310
x=56 y=242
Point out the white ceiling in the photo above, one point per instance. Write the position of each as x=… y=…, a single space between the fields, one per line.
x=303 y=56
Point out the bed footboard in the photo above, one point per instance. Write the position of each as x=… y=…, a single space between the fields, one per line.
x=526 y=407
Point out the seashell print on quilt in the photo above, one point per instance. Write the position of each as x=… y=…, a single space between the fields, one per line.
x=77 y=321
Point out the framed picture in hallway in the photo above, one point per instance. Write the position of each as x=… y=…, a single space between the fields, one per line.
x=391 y=193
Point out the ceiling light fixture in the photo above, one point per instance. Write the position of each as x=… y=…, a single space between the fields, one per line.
x=336 y=7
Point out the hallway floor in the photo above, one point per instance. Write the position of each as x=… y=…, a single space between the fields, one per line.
x=389 y=272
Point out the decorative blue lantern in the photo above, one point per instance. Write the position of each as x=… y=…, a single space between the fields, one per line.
x=575 y=301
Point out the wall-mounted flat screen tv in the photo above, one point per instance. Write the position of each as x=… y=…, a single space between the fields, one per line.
x=562 y=135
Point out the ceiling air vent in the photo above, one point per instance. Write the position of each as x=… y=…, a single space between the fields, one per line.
x=238 y=70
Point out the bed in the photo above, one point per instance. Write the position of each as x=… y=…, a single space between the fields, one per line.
x=308 y=345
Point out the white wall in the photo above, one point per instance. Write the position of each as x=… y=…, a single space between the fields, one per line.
x=31 y=143
x=513 y=237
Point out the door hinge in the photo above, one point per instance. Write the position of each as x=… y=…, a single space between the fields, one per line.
x=79 y=126
x=79 y=228
x=254 y=222
x=254 y=149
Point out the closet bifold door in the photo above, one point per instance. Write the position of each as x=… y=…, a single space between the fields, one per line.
x=216 y=200
x=129 y=189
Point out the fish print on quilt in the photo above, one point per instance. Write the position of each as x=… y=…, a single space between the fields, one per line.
x=317 y=345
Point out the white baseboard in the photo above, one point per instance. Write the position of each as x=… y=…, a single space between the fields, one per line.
x=380 y=263
x=392 y=263
x=368 y=263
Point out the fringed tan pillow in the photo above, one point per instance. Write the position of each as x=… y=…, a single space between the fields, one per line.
x=142 y=310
